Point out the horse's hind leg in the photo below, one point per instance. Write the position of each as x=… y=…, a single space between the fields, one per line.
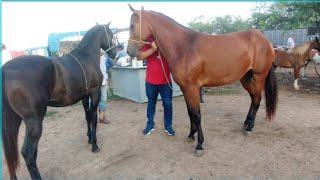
x=253 y=84
x=86 y=107
x=30 y=145
x=192 y=97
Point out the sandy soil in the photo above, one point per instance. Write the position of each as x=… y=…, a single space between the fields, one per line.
x=286 y=148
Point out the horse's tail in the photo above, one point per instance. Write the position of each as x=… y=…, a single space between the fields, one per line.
x=10 y=129
x=271 y=93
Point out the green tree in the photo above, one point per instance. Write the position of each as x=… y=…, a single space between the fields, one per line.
x=201 y=24
x=218 y=25
x=286 y=15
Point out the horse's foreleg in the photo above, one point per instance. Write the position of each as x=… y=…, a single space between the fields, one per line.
x=86 y=107
x=296 y=71
x=95 y=98
x=192 y=97
x=30 y=145
x=192 y=125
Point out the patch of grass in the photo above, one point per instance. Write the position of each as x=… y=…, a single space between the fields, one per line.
x=109 y=73
x=114 y=97
x=223 y=91
x=50 y=113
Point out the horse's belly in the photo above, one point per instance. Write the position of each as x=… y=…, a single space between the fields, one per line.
x=223 y=80
x=62 y=101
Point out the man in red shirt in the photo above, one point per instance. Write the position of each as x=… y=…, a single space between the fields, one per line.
x=158 y=80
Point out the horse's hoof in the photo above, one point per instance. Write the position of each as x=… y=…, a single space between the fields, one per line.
x=190 y=139
x=199 y=153
x=247 y=133
x=95 y=150
x=245 y=126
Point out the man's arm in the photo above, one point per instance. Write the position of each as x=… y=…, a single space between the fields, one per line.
x=147 y=53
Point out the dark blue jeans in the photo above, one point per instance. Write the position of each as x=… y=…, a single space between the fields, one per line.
x=152 y=92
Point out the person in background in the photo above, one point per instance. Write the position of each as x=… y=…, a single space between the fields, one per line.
x=102 y=107
x=291 y=44
x=109 y=62
x=6 y=56
x=120 y=52
x=158 y=80
x=290 y=41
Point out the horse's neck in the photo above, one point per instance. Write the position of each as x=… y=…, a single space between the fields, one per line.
x=169 y=37
x=302 y=51
x=88 y=48
x=308 y=48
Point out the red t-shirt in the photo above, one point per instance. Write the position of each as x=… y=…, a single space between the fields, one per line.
x=155 y=74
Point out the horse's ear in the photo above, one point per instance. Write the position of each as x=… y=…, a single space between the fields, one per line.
x=131 y=8
x=108 y=24
x=142 y=8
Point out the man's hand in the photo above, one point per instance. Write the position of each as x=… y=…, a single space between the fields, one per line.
x=154 y=46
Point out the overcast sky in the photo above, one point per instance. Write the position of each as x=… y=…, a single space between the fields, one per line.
x=28 y=24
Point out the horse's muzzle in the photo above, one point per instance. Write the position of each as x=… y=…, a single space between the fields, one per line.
x=133 y=52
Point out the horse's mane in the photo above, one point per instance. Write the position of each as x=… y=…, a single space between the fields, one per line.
x=87 y=36
x=171 y=20
x=302 y=49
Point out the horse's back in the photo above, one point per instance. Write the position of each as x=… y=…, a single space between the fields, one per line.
x=28 y=68
x=283 y=58
x=27 y=80
x=236 y=52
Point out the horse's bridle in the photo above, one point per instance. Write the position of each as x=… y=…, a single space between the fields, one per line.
x=140 y=41
x=110 y=47
x=159 y=55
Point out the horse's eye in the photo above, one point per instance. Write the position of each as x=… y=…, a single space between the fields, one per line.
x=131 y=26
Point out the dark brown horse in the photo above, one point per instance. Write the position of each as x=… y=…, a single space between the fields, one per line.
x=296 y=58
x=198 y=59
x=31 y=83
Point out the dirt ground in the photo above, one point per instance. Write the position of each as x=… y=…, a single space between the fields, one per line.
x=286 y=148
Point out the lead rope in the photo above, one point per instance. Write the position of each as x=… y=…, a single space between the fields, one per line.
x=84 y=73
x=165 y=75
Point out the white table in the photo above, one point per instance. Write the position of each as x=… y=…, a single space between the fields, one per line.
x=129 y=83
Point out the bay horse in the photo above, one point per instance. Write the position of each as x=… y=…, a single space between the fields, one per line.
x=295 y=58
x=31 y=83
x=199 y=59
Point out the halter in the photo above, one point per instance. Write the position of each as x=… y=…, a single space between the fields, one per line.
x=84 y=72
x=159 y=55
x=140 y=41
x=110 y=47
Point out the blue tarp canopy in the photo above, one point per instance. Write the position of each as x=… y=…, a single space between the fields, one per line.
x=55 y=38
